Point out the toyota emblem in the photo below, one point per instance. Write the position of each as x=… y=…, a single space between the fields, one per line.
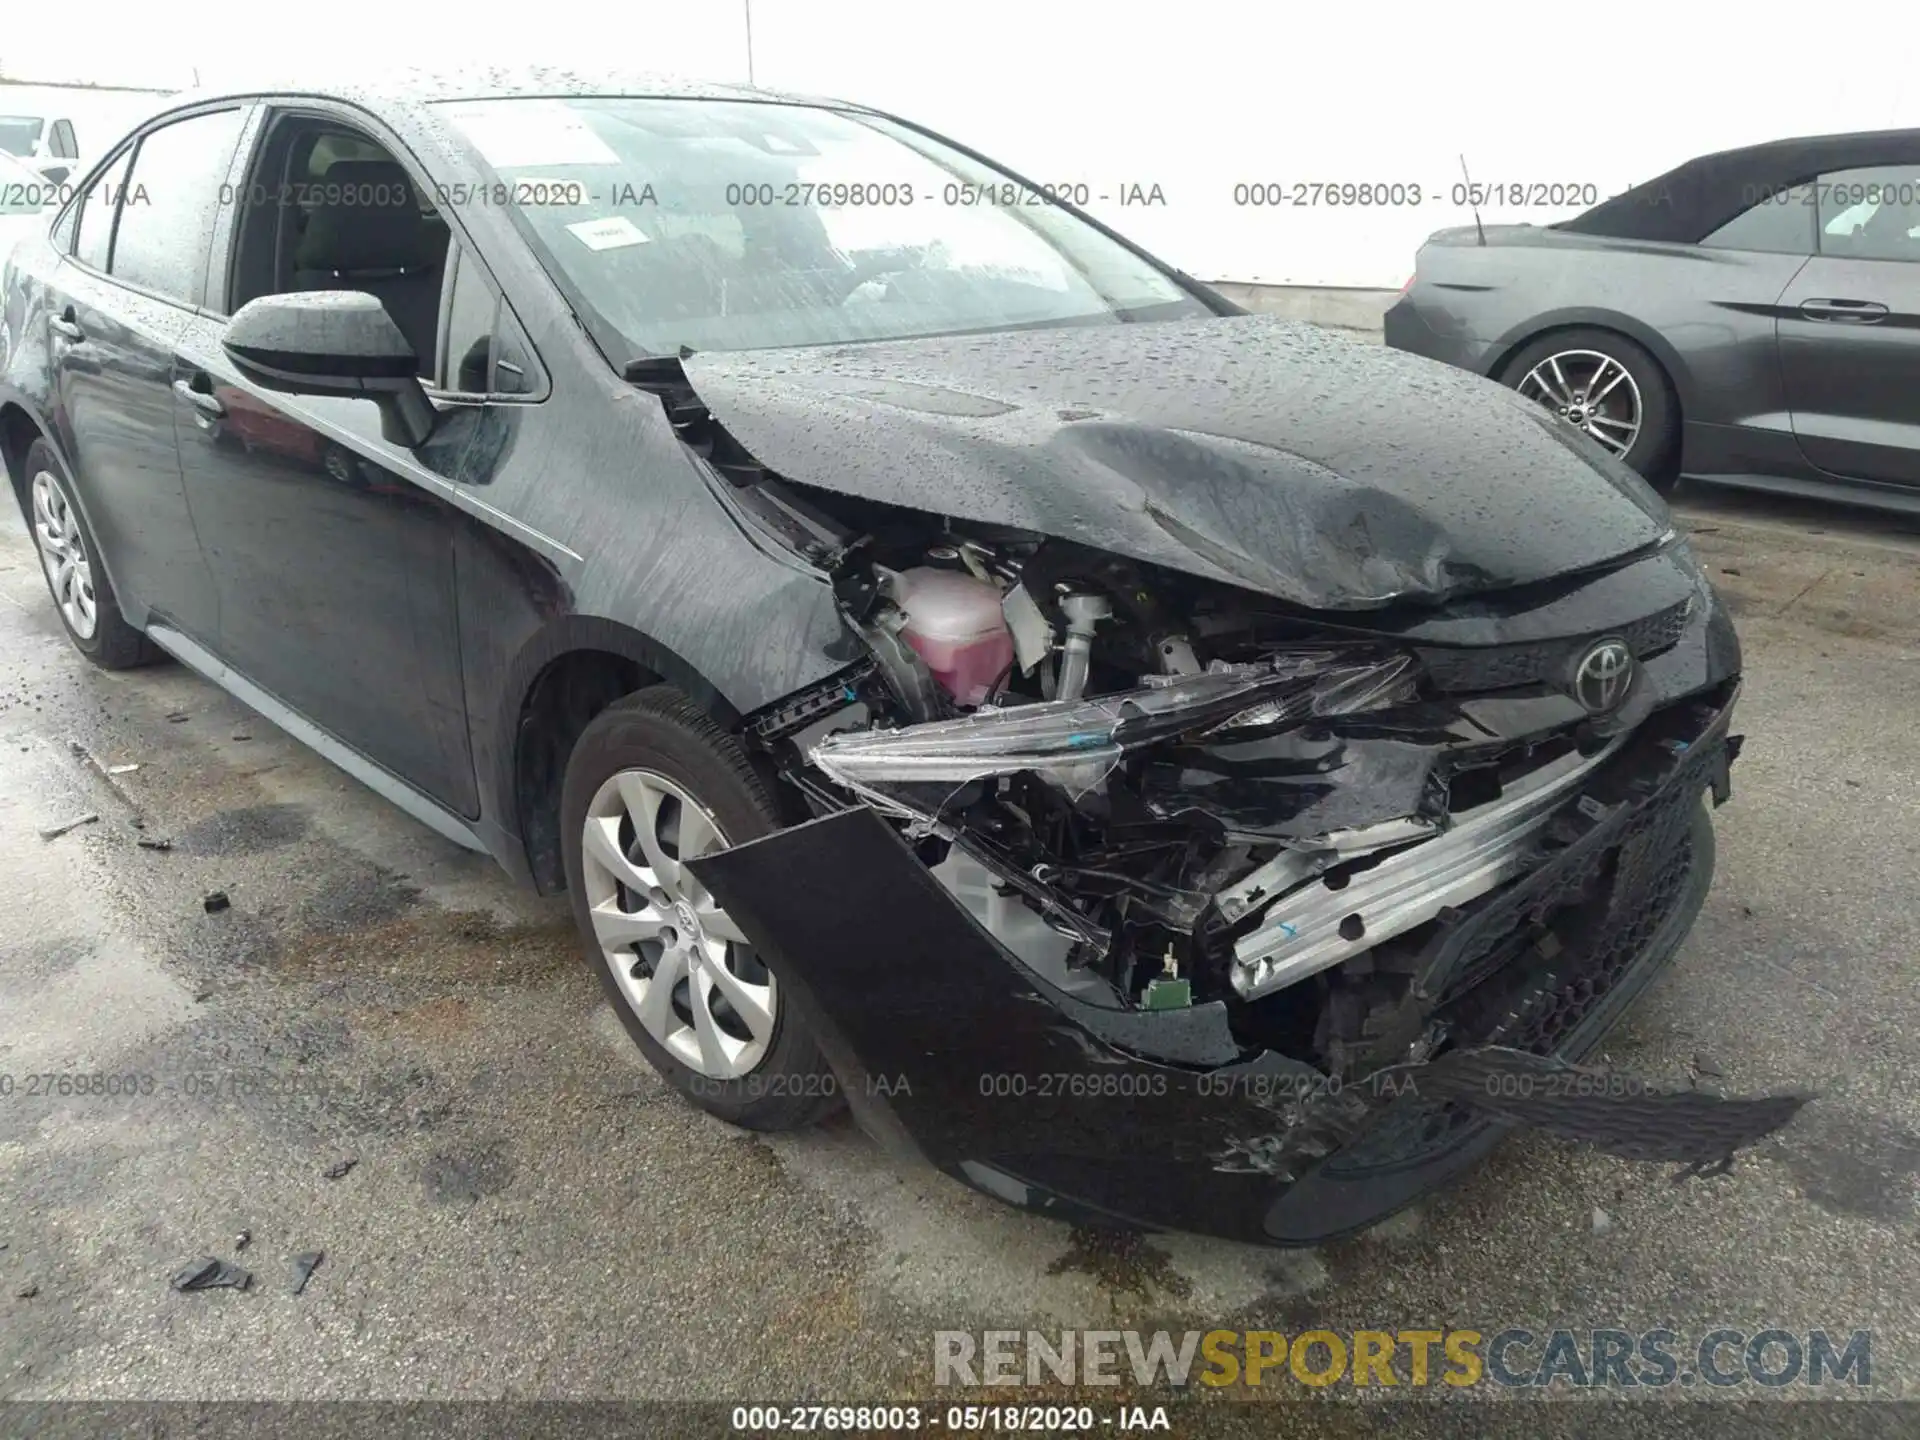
x=1603 y=675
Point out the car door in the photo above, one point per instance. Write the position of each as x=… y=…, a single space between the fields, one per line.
x=123 y=297
x=1849 y=329
x=332 y=546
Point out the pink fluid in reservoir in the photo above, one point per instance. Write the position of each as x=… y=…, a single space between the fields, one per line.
x=955 y=624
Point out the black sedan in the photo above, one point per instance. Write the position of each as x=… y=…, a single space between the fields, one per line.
x=1750 y=318
x=957 y=664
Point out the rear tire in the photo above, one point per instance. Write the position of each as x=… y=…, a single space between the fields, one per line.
x=1637 y=395
x=70 y=560
x=651 y=779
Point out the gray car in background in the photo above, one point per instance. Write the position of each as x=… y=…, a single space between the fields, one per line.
x=1749 y=318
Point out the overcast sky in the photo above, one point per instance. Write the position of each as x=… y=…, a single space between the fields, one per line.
x=1195 y=96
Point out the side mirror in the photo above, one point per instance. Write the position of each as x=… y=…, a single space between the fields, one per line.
x=333 y=342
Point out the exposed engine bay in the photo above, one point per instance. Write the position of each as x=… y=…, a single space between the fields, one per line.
x=1159 y=791
x=1167 y=763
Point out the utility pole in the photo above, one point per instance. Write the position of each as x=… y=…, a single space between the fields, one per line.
x=749 y=8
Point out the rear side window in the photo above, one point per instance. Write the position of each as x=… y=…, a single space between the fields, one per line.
x=94 y=243
x=169 y=210
x=1871 y=214
x=1782 y=223
x=61 y=141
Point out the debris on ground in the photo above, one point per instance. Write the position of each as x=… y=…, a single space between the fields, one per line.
x=174 y=717
x=1704 y=1064
x=54 y=832
x=150 y=842
x=27 y=1292
x=304 y=1264
x=241 y=735
x=338 y=1170
x=202 y=996
x=215 y=902
x=242 y=1240
x=211 y=1274
x=1602 y=1222
x=121 y=769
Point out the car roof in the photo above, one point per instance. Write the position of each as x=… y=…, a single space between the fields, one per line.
x=423 y=85
x=1692 y=200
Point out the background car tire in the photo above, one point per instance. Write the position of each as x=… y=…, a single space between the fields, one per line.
x=1654 y=452
x=659 y=731
x=113 y=644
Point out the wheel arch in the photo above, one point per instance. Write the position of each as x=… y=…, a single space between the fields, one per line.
x=1673 y=367
x=19 y=428
x=562 y=677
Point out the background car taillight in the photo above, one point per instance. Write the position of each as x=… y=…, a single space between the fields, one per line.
x=1409 y=285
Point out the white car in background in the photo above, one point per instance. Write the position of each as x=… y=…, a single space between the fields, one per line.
x=44 y=144
x=27 y=203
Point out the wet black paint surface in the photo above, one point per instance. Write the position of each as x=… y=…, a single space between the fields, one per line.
x=1247 y=449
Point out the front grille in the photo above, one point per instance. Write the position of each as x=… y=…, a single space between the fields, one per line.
x=1501 y=667
x=1609 y=902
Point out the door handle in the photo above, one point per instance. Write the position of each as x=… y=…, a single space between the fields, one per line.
x=1856 y=312
x=201 y=400
x=65 y=326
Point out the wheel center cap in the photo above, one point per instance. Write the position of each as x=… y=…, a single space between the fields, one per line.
x=689 y=923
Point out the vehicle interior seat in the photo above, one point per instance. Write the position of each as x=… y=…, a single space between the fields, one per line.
x=1889 y=231
x=369 y=233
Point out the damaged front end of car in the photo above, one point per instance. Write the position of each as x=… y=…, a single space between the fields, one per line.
x=1136 y=895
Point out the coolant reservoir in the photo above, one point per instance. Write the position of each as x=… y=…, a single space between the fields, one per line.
x=955 y=624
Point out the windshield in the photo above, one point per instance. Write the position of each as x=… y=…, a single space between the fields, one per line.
x=737 y=225
x=18 y=133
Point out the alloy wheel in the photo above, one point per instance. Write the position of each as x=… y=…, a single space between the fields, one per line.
x=681 y=963
x=1592 y=392
x=56 y=529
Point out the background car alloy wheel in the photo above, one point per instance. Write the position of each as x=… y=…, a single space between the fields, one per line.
x=1608 y=388
x=56 y=529
x=1591 y=392
x=681 y=963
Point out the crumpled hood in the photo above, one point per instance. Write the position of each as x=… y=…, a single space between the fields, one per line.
x=1257 y=451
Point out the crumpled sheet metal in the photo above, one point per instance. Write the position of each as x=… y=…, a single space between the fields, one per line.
x=1251 y=450
x=1076 y=743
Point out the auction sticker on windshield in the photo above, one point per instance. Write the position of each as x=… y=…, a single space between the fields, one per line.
x=531 y=134
x=608 y=234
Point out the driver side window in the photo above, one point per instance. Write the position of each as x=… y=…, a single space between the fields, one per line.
x=328 y=208
x=1871 y=214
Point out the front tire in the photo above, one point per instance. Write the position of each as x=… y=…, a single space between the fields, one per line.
x=1609 y=388
x=651 y=783
x=82 y=594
